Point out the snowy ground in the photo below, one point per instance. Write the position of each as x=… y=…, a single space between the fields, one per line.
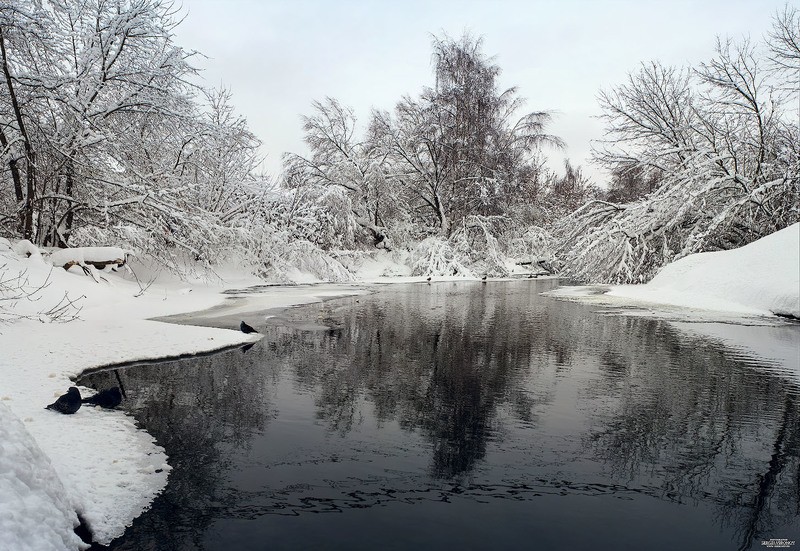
x=98 y=463
x=95 y=462
x=731 y=297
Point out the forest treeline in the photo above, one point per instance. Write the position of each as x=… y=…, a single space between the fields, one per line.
x=107 y=139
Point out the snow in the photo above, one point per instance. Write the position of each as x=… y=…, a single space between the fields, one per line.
x=380 y=265
x=34 y=512
x=759 y=279
x=26 y=248
x=99 y=464
x=762 y=278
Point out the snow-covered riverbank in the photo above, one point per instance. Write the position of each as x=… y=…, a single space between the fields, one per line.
x=99 y=464
x=757 y=280
x=762 y=278
x=95 y=462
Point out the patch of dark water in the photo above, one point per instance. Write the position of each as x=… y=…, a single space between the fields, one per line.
x=473 y=415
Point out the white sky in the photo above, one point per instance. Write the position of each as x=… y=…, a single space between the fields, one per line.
x=277 y=56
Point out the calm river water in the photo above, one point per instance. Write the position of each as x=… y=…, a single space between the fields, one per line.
x=469 y=416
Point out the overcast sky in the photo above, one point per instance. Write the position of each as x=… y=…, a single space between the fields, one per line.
x=277 y=56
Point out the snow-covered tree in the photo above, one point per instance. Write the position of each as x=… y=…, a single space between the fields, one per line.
x=629 y=183
x=104 y=139
x=461 y=148
x=81 y=77
x=563 y=193
x=454 y=174
x=340 y=162
x=719 y=143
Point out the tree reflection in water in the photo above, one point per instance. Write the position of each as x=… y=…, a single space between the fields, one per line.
x=433 y=362
x=487 y=393
x=203 y=415
x=701 y=427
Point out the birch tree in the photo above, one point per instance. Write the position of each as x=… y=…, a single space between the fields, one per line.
x=461 y=148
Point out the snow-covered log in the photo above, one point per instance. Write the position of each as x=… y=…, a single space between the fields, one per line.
x=98 y=257
x=23 y=247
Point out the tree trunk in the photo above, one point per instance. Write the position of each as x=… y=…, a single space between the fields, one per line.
x=15 y=177
x=30 y=156
x=69 y=185
x=444 y=221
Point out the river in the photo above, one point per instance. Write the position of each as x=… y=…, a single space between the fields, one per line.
x=469 y=415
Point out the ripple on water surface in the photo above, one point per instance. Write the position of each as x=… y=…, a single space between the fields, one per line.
x=472 y=414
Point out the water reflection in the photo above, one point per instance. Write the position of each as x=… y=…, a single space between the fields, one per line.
x=434 y=363
x=203 y=415
x=473 y=395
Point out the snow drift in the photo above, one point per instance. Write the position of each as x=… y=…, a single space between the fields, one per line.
x=34 y=512
x=762 y=278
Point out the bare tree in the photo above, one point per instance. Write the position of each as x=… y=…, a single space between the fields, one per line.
x=719 y=141
x=629 y=183
x=339 y=160
x=649 y=120
x=784 y=44
x=567 y=192
x=415 y=158
x=460 y=149
x=740 y=110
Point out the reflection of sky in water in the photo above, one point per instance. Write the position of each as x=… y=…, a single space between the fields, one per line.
x=472 y=414
x=764 y=347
